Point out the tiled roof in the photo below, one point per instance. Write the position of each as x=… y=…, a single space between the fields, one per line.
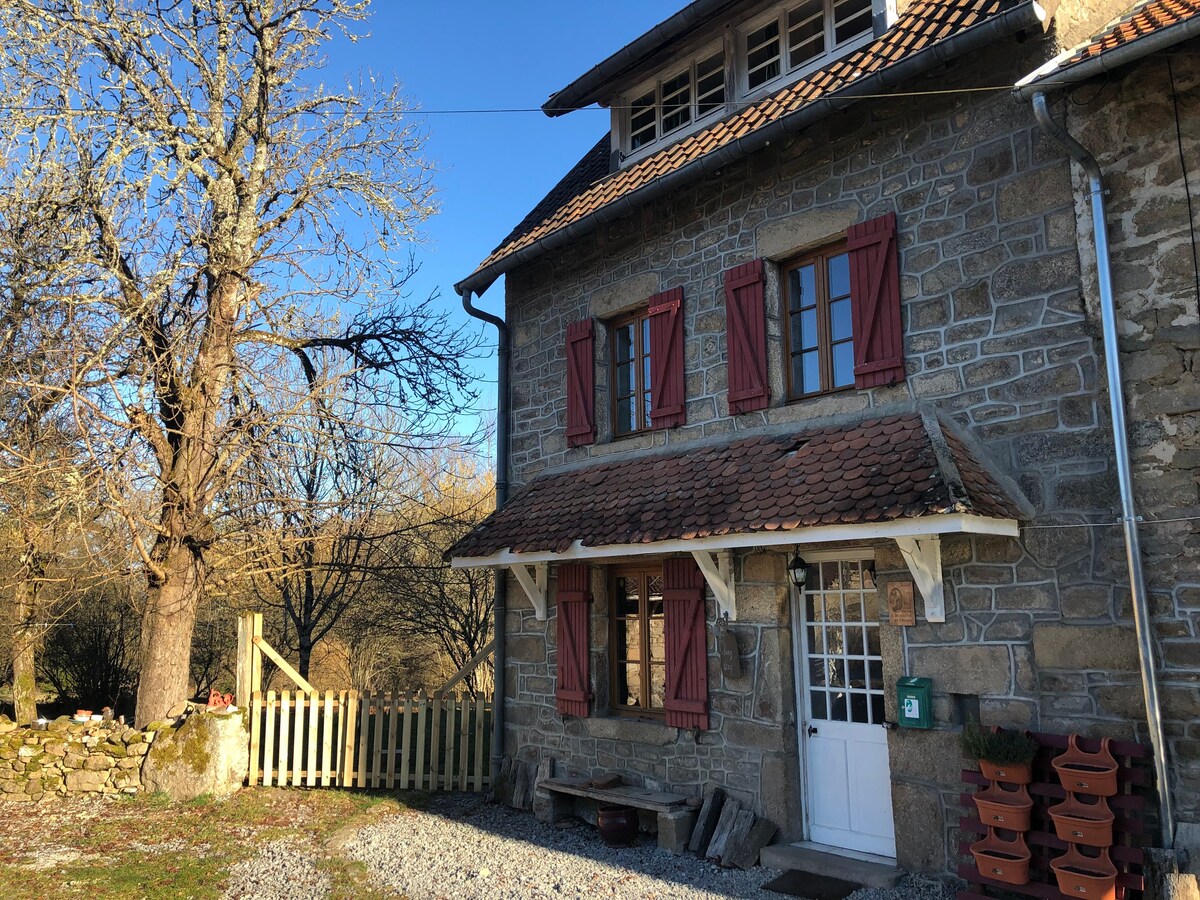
x=875 y=470
x=586 y=190
x=1150 y=17
x=1145 y=18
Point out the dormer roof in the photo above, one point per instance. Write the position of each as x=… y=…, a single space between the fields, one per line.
x=930 y=33
x=597 y=84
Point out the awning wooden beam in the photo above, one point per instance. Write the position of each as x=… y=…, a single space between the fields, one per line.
x=533 y=579
x=718 y=572
x=923 y=553
x=924 y=526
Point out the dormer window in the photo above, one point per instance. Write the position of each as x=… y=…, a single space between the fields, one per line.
x=795 y=37
x=672 y=104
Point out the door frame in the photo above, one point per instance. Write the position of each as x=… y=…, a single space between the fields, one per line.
x=800 y=682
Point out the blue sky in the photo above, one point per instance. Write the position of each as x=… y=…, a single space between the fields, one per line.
x=492 y=168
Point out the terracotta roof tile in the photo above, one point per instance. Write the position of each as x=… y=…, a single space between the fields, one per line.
x=1143 y=19
x=586 y=189
x=870 y=471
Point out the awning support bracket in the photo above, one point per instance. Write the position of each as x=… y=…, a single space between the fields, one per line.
x=533 y=580
x=923 y=553
x=718 y=572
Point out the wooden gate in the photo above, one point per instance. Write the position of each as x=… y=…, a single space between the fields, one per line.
x=351 y=739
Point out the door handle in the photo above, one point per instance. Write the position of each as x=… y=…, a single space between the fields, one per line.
x=811 y=730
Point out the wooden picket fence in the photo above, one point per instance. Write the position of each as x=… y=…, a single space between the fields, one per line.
x=375 y=739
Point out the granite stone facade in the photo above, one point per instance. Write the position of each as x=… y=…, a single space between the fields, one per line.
x=1001 y=340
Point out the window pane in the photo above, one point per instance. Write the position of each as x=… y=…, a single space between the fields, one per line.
x=811 y=381
x=850 y=19
x=840 y=323
x=808 y=329
x=858 y=708
x=630 y=689
x=631 y=633
x=870 y=604
x=873 y=641
x=806 y=33
x=658 y=641
x=658 y=686
x=837 y=708
x=710 y=84
x=831 y=581
x=843 y=364
x=868 y=567
x=625 y=603
x=762 y=54
x=833 y=640
x=835 y=671
x=839 y=276
x=858 y=673
x=623 y=374
x=875 y=671
x=623 y=343
x=625 y=423
x=816 y=671
x=643 y=128
x=820 y=709
x=877 y=715
x=676 y=102
x=815 y=642
x=802 y=283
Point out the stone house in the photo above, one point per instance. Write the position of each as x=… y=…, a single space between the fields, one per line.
x=813 y=327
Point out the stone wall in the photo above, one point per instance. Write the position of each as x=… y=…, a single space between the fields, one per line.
x=1143 y=125
x=749 y=748
x=1001 y=340
x=70 y=758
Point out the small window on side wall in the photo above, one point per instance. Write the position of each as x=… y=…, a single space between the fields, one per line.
x=630 y=341
x=820 y=331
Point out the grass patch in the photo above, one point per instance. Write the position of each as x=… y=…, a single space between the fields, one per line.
x=146 y=846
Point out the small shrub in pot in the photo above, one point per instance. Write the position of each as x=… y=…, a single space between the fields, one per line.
x=1003 y=754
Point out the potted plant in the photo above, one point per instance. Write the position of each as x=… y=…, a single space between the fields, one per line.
x=1003 y=755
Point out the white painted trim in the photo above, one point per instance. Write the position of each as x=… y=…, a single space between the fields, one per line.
x=719 y=575
x=534 y=585
x=923 y=554
x=835 y=555
x=950 y=523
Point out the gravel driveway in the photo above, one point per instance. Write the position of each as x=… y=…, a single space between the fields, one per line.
x=458 y=847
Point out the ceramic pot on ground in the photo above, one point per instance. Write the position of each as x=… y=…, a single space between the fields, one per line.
x=618 y=825
x=1002 y=860
x=1090 y=877
x=1081 y=772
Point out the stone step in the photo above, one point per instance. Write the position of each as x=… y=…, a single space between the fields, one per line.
x=833 y=865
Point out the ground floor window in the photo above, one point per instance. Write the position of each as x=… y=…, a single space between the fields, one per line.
x=638 y=639
x=845 y=666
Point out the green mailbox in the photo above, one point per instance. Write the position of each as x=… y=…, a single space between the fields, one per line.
x=914 y=702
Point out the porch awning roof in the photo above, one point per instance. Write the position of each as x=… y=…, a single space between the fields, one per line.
x=900 y=475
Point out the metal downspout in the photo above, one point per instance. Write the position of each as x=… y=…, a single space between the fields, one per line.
x=1129 y=517
x=500 y=597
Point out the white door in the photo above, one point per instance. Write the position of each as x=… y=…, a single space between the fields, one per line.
x=849 y=793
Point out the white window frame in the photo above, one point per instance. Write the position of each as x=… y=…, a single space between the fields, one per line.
x=655 y=85
x=787 y=75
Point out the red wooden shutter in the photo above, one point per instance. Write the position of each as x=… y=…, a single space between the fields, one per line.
x=875 y=302
x=581 y=384
x=746 y=338
x=574 y=597
x=686 y=698
x=667 y=390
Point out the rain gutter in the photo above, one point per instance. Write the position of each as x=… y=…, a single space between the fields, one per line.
x=977 y=37
x=1129 y=517
x=500 y=595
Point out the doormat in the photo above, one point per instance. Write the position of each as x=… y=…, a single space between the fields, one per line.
x=814 y=887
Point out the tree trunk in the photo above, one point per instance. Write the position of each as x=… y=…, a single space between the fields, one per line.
x=24 y=684
x=167 y=626
x=305 y=656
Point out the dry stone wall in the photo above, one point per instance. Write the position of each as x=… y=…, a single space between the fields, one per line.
x=70 y=758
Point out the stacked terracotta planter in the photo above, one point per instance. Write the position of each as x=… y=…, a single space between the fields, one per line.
x=1085 y=820
x=1004 y=810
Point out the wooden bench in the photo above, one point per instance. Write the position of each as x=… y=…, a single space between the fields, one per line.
x=675 y=819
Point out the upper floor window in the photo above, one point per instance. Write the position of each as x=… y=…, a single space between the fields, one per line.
x=797 y=36
x=673 y=103
x=630 y=379
x=820 y=332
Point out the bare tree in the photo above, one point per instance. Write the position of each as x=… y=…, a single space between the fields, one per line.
x=237 y=236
